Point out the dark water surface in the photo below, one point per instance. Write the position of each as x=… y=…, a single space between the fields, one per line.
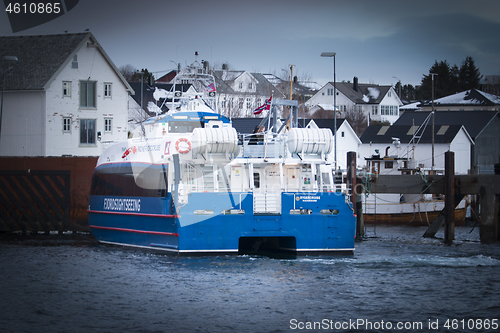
x=69 y=283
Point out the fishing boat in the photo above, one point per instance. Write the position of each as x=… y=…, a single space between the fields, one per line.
x=193 y=185
x=414 y=209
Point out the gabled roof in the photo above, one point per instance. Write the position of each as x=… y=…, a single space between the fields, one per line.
x=365 y=93
x=473 y=121
x=40 y=58
x=263 y=86
x=385 y=134
x=325 y=123
x=465 y=98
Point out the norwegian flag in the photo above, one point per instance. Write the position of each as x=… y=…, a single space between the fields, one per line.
x=265 y=106
x=211 y=87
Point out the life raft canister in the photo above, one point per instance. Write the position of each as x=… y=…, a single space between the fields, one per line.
x=183 y=145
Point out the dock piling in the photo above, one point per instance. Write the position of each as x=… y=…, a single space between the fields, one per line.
x=449 y=193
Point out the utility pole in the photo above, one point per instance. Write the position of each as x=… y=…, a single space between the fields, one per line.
x=432 y=129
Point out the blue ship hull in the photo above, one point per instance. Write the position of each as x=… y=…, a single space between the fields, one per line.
x=223 y=222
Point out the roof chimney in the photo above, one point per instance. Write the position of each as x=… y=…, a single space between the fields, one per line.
x=355 y=84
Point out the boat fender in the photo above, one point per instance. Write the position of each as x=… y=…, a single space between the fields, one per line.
x=181 y=149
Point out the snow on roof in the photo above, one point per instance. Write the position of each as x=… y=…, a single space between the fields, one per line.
x=373 y=92
x=311 y=85
x=159 y=93
x=272 y=78
x=152 y=107
x=468 y=97
x=494 y=98
x=411 y=106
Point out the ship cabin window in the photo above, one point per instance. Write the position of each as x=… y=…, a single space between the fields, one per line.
x=389 y=164
x=176 y=126
x=120 y=181
x=256 y=180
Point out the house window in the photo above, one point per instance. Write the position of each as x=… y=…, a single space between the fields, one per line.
x=74 y=63
x=374 y=109
x=330 y=92
x=384 y=110
x=240 y=85
x=66 y=125
x=87 y=94
x=66 y=88
x=250 y=85
x=342 y=134
x=108 y=124
x=107 y=90
x=389 y=94
x=87 y=131
x=249 y=103
x=240 y=103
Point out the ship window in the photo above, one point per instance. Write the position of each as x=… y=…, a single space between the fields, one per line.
x=233 y=212
x=119 y=180
x=389 y=164
x=256 y=180
x=204 y=212
x=330 y=211
x=300 y=211
x=184 y=126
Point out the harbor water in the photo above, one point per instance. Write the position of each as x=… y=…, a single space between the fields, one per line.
x=395 y=281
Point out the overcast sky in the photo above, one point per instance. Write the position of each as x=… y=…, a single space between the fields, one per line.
x=374 y=40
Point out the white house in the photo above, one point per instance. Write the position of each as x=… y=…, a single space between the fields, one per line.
x=396 y=140
x=241 y=92
x=347 y=140
x=378 y=103
x=64 y=96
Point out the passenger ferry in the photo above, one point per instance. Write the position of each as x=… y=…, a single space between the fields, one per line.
x=193 y=185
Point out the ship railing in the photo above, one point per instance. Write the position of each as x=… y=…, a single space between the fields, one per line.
x=262 y=145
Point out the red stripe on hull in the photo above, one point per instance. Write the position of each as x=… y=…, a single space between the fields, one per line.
x=137 y=231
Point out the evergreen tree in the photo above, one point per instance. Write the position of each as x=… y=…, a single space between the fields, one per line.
x=468 y=76
x=441 y=81
x=408 y=92
x=449 y=80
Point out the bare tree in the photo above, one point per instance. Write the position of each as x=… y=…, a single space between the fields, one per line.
x=357 y=119
x=127 y=71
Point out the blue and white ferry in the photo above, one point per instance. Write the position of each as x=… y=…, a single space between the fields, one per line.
x=192 y=185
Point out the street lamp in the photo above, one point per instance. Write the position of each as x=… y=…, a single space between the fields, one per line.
x=399 y=85
x=5 y=59
x=332 y=55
